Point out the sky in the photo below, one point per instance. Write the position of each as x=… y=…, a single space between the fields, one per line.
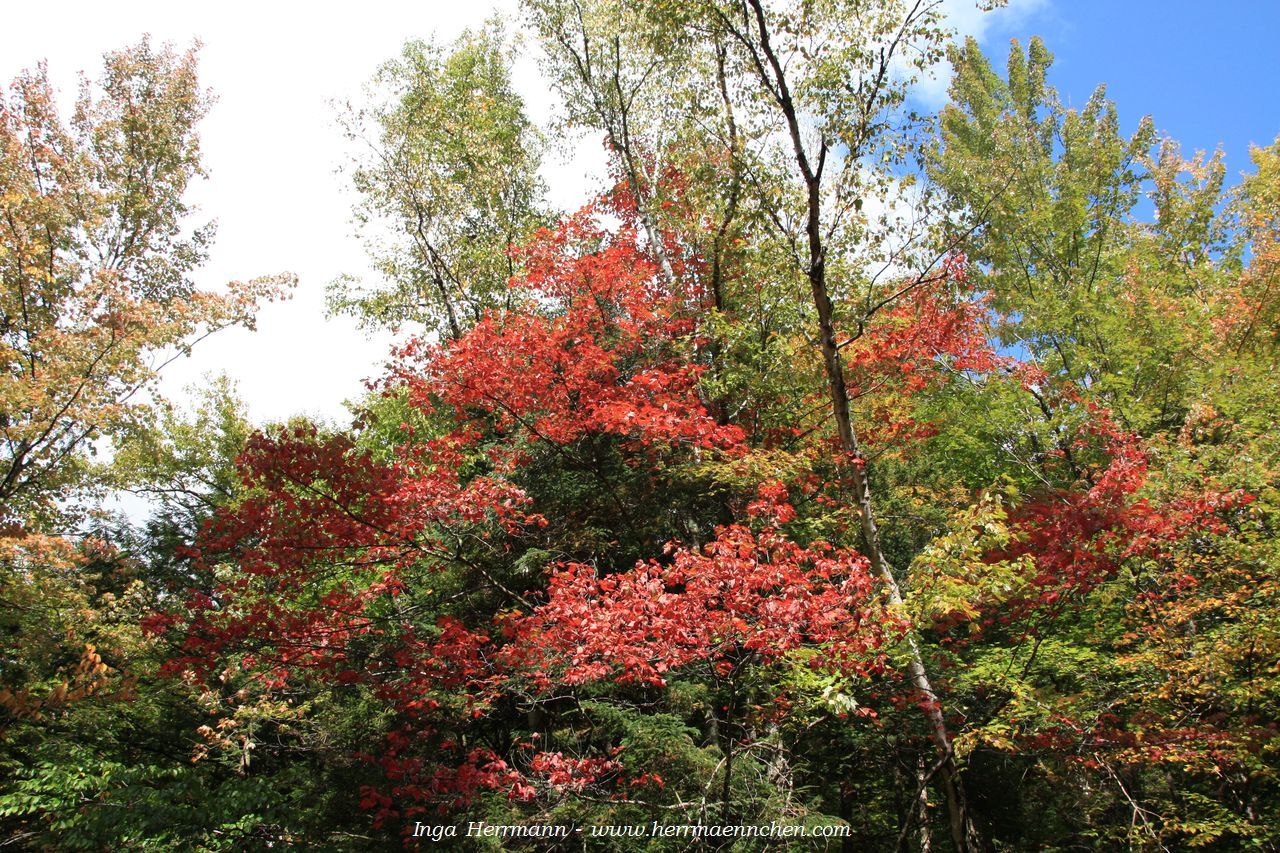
x=1206 y=72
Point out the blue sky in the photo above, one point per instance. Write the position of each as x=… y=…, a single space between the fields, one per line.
x=1208 y=73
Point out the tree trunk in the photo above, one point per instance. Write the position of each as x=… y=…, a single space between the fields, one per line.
x=922 y=807
x=773 y=75
x=962 y=831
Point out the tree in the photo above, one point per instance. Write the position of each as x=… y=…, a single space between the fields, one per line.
x=1124 y=447
x=98 y=751
x=748 y=598
x=1047 y=197
x=96 y=296
x=770 y=486
x=96 y=265
x=816 y=92
x=400 y=571
x=448 y=182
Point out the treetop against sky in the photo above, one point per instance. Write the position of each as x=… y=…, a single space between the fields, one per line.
x=272 y=146
x=753 y=437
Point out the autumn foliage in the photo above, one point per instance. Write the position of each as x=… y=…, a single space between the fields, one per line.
x=717 y=501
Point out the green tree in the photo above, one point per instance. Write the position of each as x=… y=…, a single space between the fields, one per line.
x=1123 y=716
x=447 y=179
x=1047 y=198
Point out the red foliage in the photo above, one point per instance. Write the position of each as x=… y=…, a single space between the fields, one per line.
x=746 y=596
x=571 y=774
x=324 y=532
x=1079 y=537
x=598 y=349
x=601 y=347
x=915 y=344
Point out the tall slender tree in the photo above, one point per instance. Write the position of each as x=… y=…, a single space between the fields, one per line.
x=446 y=174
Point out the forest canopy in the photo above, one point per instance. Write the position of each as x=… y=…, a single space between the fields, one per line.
x=838 y=465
